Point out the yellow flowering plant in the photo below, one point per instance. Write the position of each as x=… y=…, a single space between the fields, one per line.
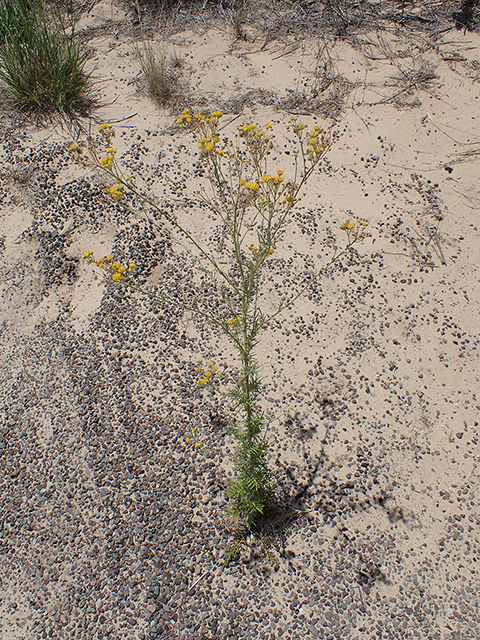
x=209 y=376
x=253 y=205
x=112 y=271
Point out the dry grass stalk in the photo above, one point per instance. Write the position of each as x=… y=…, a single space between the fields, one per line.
x=161 y=81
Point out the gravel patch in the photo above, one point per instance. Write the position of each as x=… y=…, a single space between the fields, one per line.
x=114 y=527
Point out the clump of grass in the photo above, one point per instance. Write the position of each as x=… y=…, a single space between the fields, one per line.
x=42 y=68
x=237 y=18
x=337 y=9
x=12 y=18
x=19 y=172
x=161 y=81
x=176 y=61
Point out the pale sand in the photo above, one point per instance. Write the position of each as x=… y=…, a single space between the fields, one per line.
x=377 y=372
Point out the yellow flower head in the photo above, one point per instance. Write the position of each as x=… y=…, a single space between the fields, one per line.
x=107 y=161
x=111 y=150
x=131 y=266
x=87 y=255
x=216 y=114
x=212 y=365
x=185 y=117
x=246 y=129
x=104 y=127
x=99 y=262
x=251 y=186
x=270 y=251
x=347 y=226
x=117 y=276
x=122 y=269
x=116 y=191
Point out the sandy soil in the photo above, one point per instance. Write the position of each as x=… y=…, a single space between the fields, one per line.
x=113 y=524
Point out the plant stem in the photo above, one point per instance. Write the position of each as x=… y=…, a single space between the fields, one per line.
x=246 y=200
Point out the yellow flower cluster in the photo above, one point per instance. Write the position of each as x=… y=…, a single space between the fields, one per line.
x=253 y=131
x=315 y=147
x=253 y=248
x=275 y=180
x=107 y=161
x=298 y=127
x=358 y=228
x=116 y=191
x=78 y=155
x=187 y=118
x=208 y=144
x=112 y=270
x=204 y=128
x=208 y=374
x=347 y=226
x=233 y=321
x=246 y=128
x=199 y=445
x=107 y=133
